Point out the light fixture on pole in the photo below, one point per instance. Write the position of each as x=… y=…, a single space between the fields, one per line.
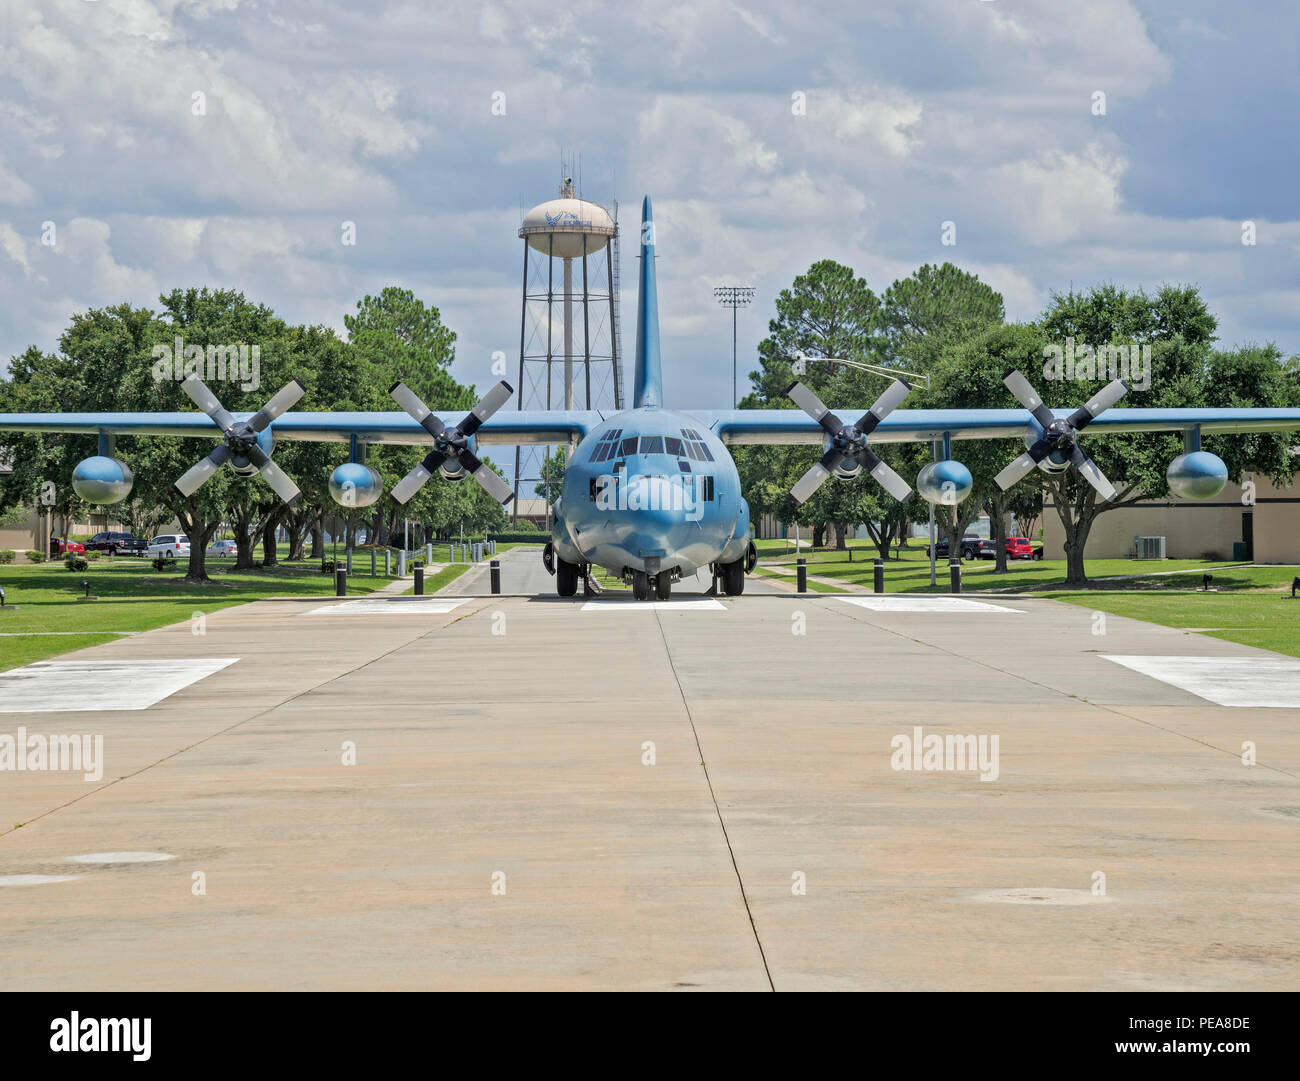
x=733 y=297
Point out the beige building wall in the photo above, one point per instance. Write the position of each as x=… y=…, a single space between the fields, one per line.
x=32 y=533
x=1193 y=529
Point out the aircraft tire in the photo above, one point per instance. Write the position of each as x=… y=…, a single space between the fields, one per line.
x=566 y=578
x=640 y=585
x=733 y=578
x=663 y=586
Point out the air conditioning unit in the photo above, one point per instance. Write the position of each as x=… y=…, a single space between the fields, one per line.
x=1150 y=547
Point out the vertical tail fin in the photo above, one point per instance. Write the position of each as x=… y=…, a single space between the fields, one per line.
x=647 y=389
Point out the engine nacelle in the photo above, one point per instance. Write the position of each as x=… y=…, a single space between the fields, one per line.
x=453 y=470
x=242 y=466
x=102 y=480
x=1056 y=462
x=1197 y=475
x=946 y=483
x=355 y=485
x=847 y=469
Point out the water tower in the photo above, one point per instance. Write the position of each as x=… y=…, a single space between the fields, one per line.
x=569 y=332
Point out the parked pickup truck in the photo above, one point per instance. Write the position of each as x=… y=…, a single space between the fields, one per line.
x=117 y=544
x=970 y=546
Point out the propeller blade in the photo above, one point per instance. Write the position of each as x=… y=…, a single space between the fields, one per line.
x=806 y=400
x=406 y=488
x=197 y=474
x=276 y=477
x=1017 y=470
x=1028 y=397
x=815 y=477
x=493 y=400
x=890 y=400
x=410 y=401
x=886 y=477
x=1106 y=397
x=207 y=401
x=487 y=477
x=1088 y=470
x=281 y=402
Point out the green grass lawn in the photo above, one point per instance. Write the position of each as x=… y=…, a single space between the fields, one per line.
x=911 y=573
x=134 y=597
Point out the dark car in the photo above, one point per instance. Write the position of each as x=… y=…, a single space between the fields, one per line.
x=114 y=543
x=970 y=546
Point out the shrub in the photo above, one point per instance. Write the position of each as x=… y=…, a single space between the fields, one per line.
x=34 y=557
x=75 y=562
x=7 y=555
x=162 y=563
x=327 y=566
x=92 y=554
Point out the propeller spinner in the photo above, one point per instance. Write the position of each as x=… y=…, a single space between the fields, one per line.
x=849 y=441
x=452 y=443
x=1060 y=434
x=241 y=438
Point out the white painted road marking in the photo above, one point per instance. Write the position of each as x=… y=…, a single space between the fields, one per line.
x=121 y=857
x=695 y=604
x=1226 y=681
x=906 y=602
x=68 y=686
x=390 y=606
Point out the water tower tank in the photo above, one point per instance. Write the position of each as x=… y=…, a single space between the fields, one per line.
x=557 y=227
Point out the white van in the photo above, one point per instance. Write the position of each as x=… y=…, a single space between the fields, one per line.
x=169 y=545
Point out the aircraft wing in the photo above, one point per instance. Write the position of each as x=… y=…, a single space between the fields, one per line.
x=514 y=428
x=769 y=426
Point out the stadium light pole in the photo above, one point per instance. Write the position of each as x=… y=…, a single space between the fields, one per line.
x=734 y=297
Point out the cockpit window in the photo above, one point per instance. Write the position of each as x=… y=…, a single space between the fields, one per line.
x=629 y=446
x=673 y=446
x=606 y=446
x=652 y=444
x=695 y=446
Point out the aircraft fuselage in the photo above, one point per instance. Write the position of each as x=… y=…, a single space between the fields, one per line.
x=651 y=490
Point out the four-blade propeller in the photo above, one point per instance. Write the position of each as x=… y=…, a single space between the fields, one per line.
x=452 y=444
x=241 y=438
x=1060 y=434
x=849 y=441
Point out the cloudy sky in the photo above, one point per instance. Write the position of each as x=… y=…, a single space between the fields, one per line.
x=917 y=112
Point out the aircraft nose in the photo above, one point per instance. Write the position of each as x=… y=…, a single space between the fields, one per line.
x=660 y=514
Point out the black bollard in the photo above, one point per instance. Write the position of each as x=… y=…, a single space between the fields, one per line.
x=340 y=583
x=494 y=573
x=801 y=575
x=878 y=586
x=419 y=579
x=954 y=574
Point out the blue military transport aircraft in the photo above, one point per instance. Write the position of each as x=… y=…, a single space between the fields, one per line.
x=652 y=494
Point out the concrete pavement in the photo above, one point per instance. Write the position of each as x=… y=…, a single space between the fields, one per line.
x=501 y=825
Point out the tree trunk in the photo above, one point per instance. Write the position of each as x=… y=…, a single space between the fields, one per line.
x=819 y=536
x=318 y=536
x=998 y=519
x=243 y=546
x=268 y=542
x=841 y=536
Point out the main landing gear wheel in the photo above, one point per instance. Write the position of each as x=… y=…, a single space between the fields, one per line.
x=733 y=578
x=640 y=585
x=566 y=578
x=663 y=586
